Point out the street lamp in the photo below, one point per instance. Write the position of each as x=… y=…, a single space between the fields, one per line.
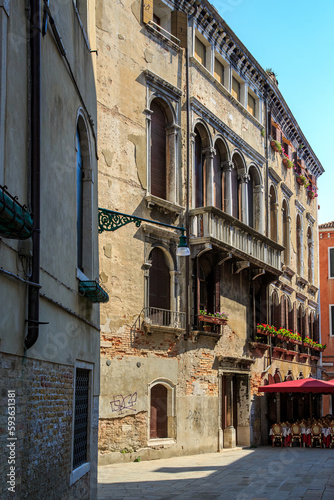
x=109 y=220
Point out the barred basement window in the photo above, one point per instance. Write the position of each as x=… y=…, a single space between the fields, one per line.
x=81 y=418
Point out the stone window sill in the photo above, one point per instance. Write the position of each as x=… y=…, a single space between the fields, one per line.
x=79 y=473
x=160 y=441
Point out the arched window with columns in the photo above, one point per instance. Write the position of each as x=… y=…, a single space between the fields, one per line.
x=217 y=181
x=310 y=262
x=158 y=151
x=286 y=232
x=203 y=158
x=255 y=199
x=222 y=187
x=273 y=213
x=299 y=245
x=162 y=139
x=275 y=310
x=239 y=180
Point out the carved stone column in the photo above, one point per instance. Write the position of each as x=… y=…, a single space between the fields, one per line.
x=244 y=199
x=193 y=176
x=171 y=163
x=208 y=195
x=227 y=167
x=258 y=208
x=148 y=113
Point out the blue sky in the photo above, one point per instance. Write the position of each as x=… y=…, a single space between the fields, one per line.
x=296 y=39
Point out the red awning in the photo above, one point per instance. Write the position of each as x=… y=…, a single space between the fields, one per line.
x=301 y=385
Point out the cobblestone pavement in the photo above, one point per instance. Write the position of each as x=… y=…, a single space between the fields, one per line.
x=238 y=474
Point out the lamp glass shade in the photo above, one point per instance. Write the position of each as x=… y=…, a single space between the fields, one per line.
x=182 y=249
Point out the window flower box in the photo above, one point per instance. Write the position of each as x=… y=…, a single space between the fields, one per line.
x=294 y=341
x=304 y=355
x=287 y=162
x=276 y=146
x=212 y=319
x=259 y=347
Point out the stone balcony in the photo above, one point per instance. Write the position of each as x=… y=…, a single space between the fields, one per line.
x=209 y=225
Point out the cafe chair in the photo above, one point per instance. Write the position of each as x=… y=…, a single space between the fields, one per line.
x=316 y=434
x=331 y=426
x=277 y=434
x=296 y=434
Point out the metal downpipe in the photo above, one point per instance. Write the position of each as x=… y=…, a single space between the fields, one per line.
x=35 y=50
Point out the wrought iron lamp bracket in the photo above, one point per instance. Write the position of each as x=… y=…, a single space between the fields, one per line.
x=110 y=220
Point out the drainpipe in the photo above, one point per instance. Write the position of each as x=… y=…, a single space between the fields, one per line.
x=33 y=290
x=187 y=221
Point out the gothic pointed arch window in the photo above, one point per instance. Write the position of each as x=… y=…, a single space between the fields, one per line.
x=255 y=198
x=158 y=150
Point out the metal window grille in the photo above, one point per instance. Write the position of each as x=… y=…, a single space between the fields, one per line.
x=81 y=417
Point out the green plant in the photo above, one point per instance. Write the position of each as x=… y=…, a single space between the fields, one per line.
x=221 y=315
x=302 y=179
x=262 y=133
x=138 y=459
x=278 y=146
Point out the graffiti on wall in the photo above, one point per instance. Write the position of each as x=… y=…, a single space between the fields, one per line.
x=120 y=403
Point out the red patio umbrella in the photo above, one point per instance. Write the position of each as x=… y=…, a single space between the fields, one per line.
x=300 y=385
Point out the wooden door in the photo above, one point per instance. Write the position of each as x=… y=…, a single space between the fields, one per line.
x=158 y=421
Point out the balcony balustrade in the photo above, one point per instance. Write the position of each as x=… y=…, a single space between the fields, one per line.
x=163 y=319
x=209 y=224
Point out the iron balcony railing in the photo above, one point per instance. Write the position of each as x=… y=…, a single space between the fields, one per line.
x=164 y=318
x=210 y=223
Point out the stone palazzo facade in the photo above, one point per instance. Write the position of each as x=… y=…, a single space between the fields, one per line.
x=194 y=133
x=49 y=318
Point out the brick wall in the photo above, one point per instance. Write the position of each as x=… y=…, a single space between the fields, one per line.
x=127 y=434
x=44 y=407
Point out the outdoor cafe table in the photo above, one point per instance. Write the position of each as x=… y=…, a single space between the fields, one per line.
x=306 y=435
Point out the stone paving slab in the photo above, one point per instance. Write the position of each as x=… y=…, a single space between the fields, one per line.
x=264 y=473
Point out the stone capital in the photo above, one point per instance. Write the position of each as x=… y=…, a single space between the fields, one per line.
x=209 y=152
x=227 y=165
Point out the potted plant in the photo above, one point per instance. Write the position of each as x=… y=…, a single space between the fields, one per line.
x=276 y=146
x=265 y=329
x=301 y=179
x=311 y=192
x=286 y=161
x=218 y=318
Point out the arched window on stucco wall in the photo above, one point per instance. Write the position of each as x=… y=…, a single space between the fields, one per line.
x=286 y=232
x=273 y=213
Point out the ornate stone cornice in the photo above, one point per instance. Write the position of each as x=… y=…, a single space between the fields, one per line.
x=274 y=176
x=310 y=218
x=299 y=206
x=287 y=191
x=159 y=83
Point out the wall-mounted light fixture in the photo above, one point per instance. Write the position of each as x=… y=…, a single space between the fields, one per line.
x=109 y=220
